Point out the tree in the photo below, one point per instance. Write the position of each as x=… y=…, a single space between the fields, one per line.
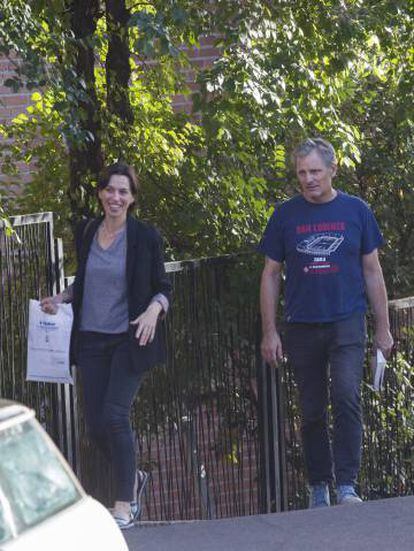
x=338 y=68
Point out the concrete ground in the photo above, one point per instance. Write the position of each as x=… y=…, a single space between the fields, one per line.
x=370 y=526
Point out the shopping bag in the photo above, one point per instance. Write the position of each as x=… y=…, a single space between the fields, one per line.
x=48 y=344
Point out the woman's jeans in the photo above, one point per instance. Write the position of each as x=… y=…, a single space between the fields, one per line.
x=109 y=388
x=317 y=352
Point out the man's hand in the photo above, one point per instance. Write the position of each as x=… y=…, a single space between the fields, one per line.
x=146 y=323
x=384 y=341
x=271 y=348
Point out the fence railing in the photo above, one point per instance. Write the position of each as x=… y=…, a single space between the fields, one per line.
x=197 y=418
x=218 y=430
x=28 y=268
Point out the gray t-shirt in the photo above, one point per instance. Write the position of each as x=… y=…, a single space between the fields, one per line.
x=105 y=304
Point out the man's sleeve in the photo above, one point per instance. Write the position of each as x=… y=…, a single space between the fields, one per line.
x=272 y=242
x=371 y=236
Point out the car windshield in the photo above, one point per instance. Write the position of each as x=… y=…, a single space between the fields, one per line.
x=34 y=483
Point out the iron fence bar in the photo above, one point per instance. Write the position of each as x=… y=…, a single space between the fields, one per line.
x=274 y=435
x=73 y=405
x=282 y=417
x=275 y=432
x=267 y=425
x=66 y=400
x=264 y=427
x=75 y=408
x=57 y=282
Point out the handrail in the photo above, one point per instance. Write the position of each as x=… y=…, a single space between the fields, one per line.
x=401 y=303
x=35 y=218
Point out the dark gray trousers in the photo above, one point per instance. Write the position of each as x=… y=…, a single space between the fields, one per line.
x=329 y=355
x=110 y=384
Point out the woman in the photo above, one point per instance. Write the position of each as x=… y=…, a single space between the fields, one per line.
x=119 y=294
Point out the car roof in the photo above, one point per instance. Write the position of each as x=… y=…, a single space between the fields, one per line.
x=12 y=410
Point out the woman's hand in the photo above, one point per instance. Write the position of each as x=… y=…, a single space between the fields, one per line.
x=146 y=323
x=49 y=305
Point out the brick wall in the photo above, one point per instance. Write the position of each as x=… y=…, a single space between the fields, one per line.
x=201 y=58
x=11 y=105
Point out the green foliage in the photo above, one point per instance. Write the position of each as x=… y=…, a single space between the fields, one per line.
x=285 y=71
x=390 y=426
x=34 y=138
x=344 y=72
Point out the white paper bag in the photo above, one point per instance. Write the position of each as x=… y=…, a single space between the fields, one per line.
x=48 y=344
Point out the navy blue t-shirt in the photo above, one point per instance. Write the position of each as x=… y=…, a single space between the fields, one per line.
x=322 y=245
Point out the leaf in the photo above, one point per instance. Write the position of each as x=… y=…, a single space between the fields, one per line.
x=36 y=97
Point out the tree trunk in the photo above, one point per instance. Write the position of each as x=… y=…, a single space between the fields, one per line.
x=118 y=69
x=85 y=149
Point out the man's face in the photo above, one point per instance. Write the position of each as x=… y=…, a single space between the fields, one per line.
x=315 y=178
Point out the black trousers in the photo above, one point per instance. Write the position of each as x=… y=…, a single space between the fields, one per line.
x=110 y=384
x=323 y=353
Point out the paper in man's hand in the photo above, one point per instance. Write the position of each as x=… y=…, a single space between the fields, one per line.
x=378 y=364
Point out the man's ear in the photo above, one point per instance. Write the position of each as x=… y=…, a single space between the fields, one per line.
x=334 y=168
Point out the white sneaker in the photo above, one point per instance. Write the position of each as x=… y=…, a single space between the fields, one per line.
x=319 y=495
x=346 y=495
x=123 y=522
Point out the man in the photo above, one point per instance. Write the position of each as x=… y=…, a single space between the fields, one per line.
x=329 y=242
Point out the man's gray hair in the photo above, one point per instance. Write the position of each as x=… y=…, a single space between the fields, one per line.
x=321 y=146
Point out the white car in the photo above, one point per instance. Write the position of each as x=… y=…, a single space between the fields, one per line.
x=42 y=505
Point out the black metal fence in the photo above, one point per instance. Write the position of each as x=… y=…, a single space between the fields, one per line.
x=29 y=263
x=196 y=418
x=218 y=430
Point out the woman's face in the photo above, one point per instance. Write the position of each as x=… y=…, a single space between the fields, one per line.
x=116 y=197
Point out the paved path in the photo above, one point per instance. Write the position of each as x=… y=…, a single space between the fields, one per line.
x=386 y=525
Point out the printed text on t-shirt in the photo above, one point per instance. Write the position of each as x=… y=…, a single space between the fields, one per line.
x=320 y=227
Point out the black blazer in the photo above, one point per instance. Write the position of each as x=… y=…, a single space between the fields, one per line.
x=145 y=275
